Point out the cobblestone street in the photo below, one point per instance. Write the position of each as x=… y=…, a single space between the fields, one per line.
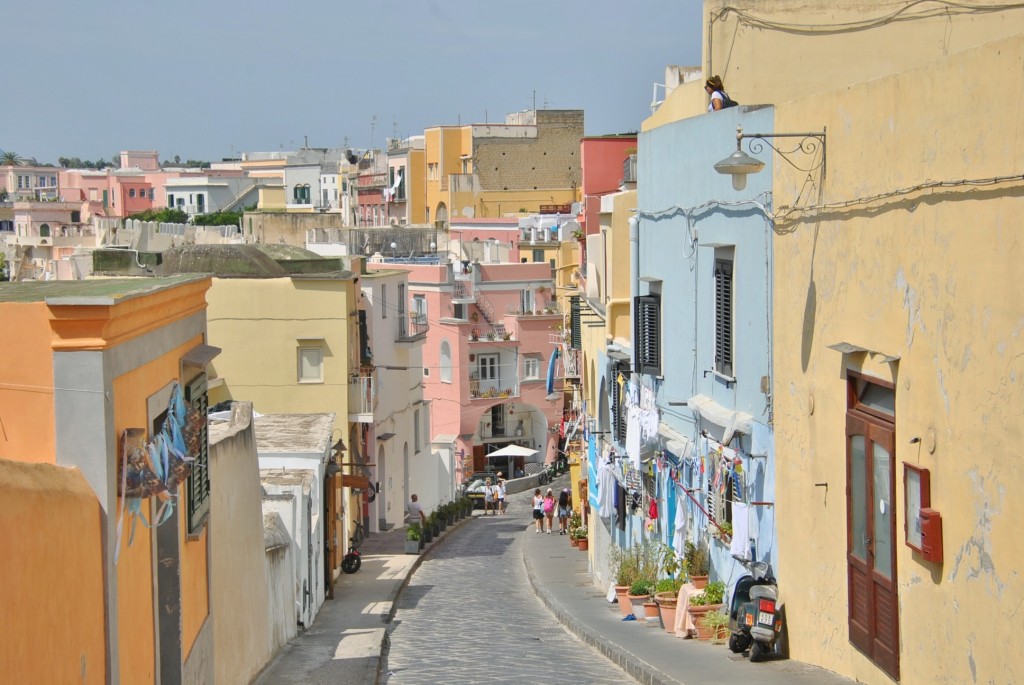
x=469 y=615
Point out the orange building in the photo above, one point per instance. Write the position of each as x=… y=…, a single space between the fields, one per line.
x=93 y=360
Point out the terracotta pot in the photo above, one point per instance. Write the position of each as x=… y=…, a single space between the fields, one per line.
x=667 y=608
x=625 y=607
x=651 y=610
x=574 y=542
x=697 y=613
x=699 y=582
x=583 y=544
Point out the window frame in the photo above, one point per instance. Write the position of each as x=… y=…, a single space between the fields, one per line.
x=725 y=361
x=531 y=360
x=647 y=334
x=493 y=362
x=319 y=350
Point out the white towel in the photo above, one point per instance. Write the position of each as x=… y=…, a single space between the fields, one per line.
x=740 y=547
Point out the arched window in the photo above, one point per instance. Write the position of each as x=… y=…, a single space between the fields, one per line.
x=446 y=362
x=44 y=230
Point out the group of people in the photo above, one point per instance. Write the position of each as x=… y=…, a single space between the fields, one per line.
x=544 y=509
x=494 y=496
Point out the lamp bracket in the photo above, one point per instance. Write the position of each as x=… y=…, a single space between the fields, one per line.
x=806 y=143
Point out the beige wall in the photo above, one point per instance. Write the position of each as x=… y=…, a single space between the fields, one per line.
x=933 y=278
x=258 y=324
x=288 y=228
x=238 y=574
x=52 y=576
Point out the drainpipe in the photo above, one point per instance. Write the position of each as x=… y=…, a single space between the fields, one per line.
x=634 y=280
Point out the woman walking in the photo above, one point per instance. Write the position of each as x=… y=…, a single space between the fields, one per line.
x=564 y=509
x=549 y=509
x=538 y=510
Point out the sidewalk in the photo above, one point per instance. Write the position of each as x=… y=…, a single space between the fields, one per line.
x=560 y=577
x=345 y=642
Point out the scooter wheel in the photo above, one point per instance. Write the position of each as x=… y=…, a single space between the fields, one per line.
x=738 y=642
x=351 y=563
x=757 y=652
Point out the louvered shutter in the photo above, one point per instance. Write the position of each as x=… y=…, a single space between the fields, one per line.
x=647 y=334
x=198 y=484
x=575 y=333
x=723 y=317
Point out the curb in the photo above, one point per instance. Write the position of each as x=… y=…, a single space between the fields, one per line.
x=633 y=665
x=385 y=643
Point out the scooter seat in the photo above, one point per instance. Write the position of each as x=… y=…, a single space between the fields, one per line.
x=764 y=592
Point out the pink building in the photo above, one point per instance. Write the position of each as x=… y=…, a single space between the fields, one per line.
x=486 y=357
x=604 y=168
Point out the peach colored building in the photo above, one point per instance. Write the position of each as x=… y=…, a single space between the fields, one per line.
x=606 y=164
x=99 y=364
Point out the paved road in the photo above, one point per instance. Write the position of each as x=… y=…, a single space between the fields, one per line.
x=469 y=615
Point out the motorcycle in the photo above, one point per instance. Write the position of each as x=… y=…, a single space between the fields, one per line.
x=755 y=617
x=352 y=561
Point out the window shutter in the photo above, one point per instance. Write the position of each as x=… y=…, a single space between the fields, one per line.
x=618 y=397
x=575 y=331
x=723 y=317
x=647 y=333
x=199 y=480
x=365 y=355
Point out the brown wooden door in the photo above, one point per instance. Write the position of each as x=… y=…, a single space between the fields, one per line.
x=871 y=539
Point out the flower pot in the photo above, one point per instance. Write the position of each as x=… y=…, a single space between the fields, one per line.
x=621 y=592
x=651 y=612
x=637 y=603
x=412 y=546
x=699 y=582
x=697 y=613
x=583 y=544
x=667 y=604
x=575 y=542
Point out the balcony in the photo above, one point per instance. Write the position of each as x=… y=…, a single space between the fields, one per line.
x=412 y=326
x=463 y=292
x=362 y=398
x=492 y=389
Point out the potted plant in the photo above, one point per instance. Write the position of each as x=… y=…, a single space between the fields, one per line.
x=698 y=564
x=640 y=596
x=666 y=595
x=490 y=335
x=711 y=599
x=582 y=541
x=434 y=523
x=506 y=335
x=474 y=335
x=716 y=625
x=413 y=536
x=638 y=562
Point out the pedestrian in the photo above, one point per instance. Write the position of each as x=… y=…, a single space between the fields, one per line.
x=549 y=509
x=416 y=510
x=564 y=509
x=538 y=510
x=716 y=89
x=501 y=494
x=490 y=500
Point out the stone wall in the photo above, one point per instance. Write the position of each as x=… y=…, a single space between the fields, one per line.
x=551 y=160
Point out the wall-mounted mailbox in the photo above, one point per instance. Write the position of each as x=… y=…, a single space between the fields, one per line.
x=931 y=535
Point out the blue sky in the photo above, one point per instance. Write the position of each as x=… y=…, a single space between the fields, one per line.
x=206 y=79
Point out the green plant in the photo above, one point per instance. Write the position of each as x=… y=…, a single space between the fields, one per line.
x=698 y=561
x=414 y=532
x=576 y=521
x=639 y=562
x=641 y=587
x=714 y=593
x=669 y=585
x=718 y=623
x=672 y=564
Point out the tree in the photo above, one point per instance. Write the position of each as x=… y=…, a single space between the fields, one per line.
x=177 y=159
x=11 y=159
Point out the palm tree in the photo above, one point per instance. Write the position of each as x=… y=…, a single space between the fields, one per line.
x=10 y=159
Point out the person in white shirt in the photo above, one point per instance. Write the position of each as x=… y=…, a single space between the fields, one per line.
x=500 y=487
x=490 y=498
x=416 y=511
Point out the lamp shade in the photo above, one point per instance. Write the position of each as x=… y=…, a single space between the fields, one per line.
x=738 y=165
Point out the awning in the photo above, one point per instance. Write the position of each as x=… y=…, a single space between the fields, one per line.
x=731 y=420
x=675 y=442
x=200 y=355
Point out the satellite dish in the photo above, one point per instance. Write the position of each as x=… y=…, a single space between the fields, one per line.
x=468 y=212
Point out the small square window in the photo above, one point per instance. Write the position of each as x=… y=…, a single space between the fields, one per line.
x=531 y=368
x=311 y=365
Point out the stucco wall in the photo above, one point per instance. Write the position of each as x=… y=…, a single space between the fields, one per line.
x=287 y=227
x=931 y=277
x=27 y=388
x=50 y=523
x=238 y=574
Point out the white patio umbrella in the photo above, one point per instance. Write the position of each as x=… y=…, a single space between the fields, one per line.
x=513 y=451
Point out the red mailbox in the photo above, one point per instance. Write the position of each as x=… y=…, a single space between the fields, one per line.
x=931 y=535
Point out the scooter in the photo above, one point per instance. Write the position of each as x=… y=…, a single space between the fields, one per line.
x=755 y=619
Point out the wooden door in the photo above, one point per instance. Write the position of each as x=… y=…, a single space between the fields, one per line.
x=871 y=537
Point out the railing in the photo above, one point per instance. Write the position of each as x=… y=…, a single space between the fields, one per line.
x=463 y=290
x=629 y=169
x=362 y=394
x=556 y=209
x=492 y=389
x=412 y=326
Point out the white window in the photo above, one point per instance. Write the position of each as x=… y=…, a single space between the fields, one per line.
x=383 y=301
x=419 y=309
x=531 y=367
x=416 y=430
x=311 y=360
x=446 y=362
x=487 y=367
x=526 y=300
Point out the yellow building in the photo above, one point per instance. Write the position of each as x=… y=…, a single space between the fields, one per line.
x=488 y=171
x=897 y=319
x=99 y=362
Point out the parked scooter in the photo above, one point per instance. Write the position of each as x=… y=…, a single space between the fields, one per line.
x=755 y=619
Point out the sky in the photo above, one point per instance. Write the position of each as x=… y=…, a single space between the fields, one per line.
x=209 y=79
